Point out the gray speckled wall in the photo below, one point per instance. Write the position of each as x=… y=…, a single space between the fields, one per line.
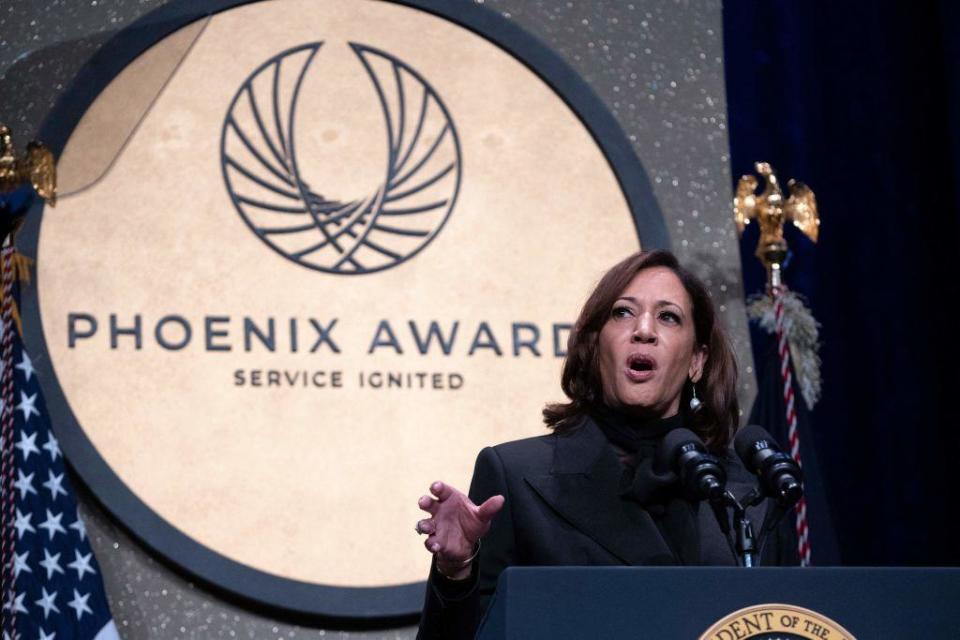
x=658 y=66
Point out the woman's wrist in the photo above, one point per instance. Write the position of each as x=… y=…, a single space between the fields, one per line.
x=457 y=574
x=458 y=569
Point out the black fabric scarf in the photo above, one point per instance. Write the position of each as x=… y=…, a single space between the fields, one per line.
x=651 y=482
x=632 y=435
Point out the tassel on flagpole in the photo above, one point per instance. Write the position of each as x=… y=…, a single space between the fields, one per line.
x=802 y=333
x=7 y=462
x=20 y=266
x=803 y=532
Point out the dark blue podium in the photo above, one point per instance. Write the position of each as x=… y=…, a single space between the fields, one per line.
x=683 y=603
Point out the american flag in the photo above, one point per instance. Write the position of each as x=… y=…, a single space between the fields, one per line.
x=52 y=588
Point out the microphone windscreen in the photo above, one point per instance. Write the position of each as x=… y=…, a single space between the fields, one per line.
x=671 y=443
x=745 y=440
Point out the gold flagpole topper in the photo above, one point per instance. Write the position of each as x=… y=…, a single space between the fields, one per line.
x=36 y=167
x=771 y=212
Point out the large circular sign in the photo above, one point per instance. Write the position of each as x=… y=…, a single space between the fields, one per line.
x=336 y=253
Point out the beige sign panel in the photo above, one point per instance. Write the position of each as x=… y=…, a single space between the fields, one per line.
x=285 y=404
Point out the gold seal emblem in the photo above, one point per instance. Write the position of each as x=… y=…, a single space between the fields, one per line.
x=776 y=622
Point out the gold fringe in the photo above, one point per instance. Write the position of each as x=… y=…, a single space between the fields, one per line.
x=21 y=266
x=21 y=269
x=15 y=312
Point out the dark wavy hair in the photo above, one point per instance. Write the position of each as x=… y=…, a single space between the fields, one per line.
x=719 y=413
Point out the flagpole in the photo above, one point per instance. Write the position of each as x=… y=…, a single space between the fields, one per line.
x=21 y=177
x=771 y=212
x=37 y=594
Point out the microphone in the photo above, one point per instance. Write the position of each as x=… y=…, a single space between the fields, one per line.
x=700 y=473
x=780 y=475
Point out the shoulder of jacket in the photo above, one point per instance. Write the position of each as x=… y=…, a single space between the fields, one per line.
x=526 y=448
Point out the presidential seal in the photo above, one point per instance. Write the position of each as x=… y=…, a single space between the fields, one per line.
x=776 y=622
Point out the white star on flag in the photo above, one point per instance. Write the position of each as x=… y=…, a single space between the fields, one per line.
x=23 y=525
x=52 y=446
x=26 y=365
x=27 y=444
x=52 y=524
x=24 y=484
x=28 y=404
x=51 y=563
x=81 y=564
x=79 y=603
x=15 y=603
x=55 y=485
x=46 y=602
x=20 y=564
x=80 y=528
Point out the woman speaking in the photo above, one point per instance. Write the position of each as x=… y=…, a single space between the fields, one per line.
x=647 y=355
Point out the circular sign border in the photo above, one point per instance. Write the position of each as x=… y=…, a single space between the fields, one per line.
x=309 y=603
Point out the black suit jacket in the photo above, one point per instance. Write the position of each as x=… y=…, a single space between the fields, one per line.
x=563 y=507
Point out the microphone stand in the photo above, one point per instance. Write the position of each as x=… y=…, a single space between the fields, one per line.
x=745 y=548
x=746 y=543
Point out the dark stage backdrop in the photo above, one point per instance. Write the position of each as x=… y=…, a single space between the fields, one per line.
x=861 y=100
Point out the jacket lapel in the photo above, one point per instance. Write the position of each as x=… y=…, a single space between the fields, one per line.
x=583 y=487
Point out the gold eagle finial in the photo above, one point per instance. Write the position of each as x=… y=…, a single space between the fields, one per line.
x=36 y=167
x=771 y=212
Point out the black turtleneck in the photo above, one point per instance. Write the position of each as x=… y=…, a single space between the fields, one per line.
x=650 y=482
x=635 y=436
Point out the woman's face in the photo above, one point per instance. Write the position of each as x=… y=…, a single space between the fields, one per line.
x=648 y=346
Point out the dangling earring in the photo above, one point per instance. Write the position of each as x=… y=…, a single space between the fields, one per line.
x=695 y=403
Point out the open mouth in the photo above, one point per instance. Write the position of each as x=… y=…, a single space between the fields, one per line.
x=641 y=364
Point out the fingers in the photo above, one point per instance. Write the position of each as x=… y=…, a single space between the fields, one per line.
x=490 y=508
x=427 y=504
x=441 y=491
x=426 y=526
x=431 y=544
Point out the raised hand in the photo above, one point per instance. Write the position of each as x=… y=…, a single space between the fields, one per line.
x=455 y=527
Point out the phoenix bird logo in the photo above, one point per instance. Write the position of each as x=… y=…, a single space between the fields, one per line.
x=309 y=224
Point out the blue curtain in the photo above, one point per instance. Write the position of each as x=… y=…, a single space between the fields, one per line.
x=861 y=100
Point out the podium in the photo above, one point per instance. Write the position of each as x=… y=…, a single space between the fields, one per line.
x=685 y=602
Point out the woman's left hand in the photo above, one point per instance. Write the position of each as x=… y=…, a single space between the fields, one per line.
x=454 y=529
